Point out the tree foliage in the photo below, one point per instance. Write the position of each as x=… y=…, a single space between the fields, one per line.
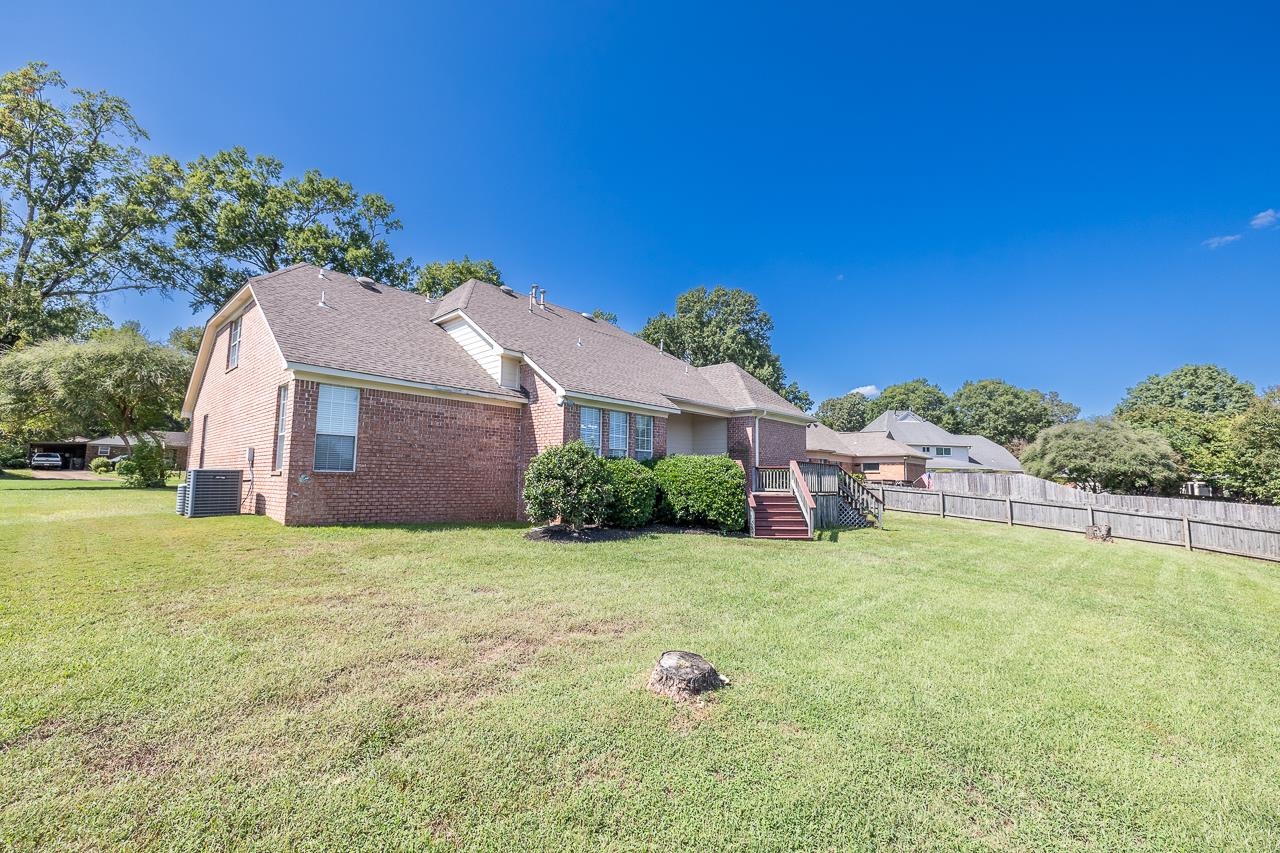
x=117 y=382
x=1251 y=450
x=847 y=413
x=918 y=395
x=187 y=339
x=723 y=325
x=1201 y=388
x=605 y=316
x=1004 y=413
x=239 y=216
x=1197 y=437
x=82 y=211
x=569 y=482
x=438 y=278
x=1103 y=455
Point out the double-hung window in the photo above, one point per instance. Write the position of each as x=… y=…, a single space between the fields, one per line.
x=337 y=416
x=618 y=434
x=589 y=428
x=943 y=451
x=871 y=467
x=644 y=436
x=282 y=421
x=233 y=343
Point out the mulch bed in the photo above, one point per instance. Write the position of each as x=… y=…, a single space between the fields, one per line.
x=561 y=534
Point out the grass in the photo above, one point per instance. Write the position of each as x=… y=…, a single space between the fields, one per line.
x=944 y=685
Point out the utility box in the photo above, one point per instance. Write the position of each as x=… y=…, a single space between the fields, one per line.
x=211 y=491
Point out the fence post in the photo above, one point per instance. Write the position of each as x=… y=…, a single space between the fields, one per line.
x=1008 y=511
x=1090 y=508
x=1186 y=533
x=942 y=504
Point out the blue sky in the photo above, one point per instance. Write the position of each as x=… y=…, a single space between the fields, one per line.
x=948 y=192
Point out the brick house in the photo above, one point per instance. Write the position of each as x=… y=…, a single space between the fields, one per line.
x=877 y=457
x=342 y=400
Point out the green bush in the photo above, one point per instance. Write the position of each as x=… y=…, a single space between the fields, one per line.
x=633 y=493
x=100 y=465
x=17 y=462
x=702 y=490
x=567 y=482
x=146 y=467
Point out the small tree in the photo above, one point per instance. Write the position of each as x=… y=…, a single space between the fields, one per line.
x=146 y=467
x=568 y=482
x=1103 y=455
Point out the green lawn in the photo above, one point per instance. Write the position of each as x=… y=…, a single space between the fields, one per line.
x=946 y=685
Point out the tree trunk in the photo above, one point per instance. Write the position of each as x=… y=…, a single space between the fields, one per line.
x=684 y=675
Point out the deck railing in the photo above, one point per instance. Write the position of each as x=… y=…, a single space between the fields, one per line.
x=773 y=480
x=824 y=478
x=800 y=489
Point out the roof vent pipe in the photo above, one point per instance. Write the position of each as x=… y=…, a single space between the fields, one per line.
x=533 y=296
x=542 y=296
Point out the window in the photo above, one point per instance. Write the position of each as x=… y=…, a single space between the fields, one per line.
x=233 y=343
x=644 y=436
x=103 y=450
x=926 y=450
x=336 y=417
x=589 y=428
x=871 y=467
x=282 y=421
x=618 y=434
x=943 y=451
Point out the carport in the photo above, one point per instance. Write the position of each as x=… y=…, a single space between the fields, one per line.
x=72 y=452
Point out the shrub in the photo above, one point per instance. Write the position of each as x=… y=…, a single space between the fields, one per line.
x=145 y=468
x=633 y=493
x=100 y=465
x=702 y=490
x=567 y=482
x=17 y=462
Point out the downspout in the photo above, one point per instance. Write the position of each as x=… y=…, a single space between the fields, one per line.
x=755 y=441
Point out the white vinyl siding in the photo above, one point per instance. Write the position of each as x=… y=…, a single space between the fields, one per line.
x=510 y=373
x=644 y=436
x=618 y=434
x=700 y=435
x=233 y=343
x=470 y=339
x=282 y=421
x=589 y=428
x=337 y=418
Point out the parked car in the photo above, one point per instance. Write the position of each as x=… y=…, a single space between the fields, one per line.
x=116 y=460
x=46 y=460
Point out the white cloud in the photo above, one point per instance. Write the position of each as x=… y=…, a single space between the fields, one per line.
x=1266 y=219
x=866 y=390
x=1219 y=242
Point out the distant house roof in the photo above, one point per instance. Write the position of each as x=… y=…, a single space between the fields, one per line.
x=596 y=358
x=167 y=439
x=910 y=428
x=823 y=439
x=989 y=455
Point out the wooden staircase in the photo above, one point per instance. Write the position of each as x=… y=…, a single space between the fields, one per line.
x=778 y=516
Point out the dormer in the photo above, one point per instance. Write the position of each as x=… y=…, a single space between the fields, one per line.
x=503 y=365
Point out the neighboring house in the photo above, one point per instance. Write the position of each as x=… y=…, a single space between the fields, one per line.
x=342 y=400
x=945 y=451
x=901 y=446
x=874 y=455
x=77 y=452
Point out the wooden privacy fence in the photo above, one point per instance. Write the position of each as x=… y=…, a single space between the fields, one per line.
x=1197 y=534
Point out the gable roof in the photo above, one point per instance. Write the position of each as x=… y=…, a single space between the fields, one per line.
x=989 y=455
x=168 y=438
x=910 y=428
x=822 y=438
x=597 y=359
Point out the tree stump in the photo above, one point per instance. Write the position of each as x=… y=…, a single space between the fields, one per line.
x=684 y=675
x=1098 y=533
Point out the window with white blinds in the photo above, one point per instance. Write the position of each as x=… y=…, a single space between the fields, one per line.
x=618 y=434
x=337 y=416
x=589 y=428
x=644 y=436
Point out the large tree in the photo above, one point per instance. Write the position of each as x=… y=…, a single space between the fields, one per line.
x=847 y=413
x=115 y=382
x=719 y=325
x=239 y=216
x=1002 y=412
x=187 y=339
x=1202 y=388
x=1198 y=438
x=1103 y=456
x=439 y=277
x=82 y=211
x=1251 y=451
x=917 y=395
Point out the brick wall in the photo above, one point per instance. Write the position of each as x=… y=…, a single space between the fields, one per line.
x=780 y=442
x=418 y=459
x=239 y=408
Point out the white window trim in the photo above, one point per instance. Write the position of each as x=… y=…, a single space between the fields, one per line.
x=355 y=436
x=282 y=414
x=103 y=450
x=942 y=451
x=599 y=416
x=235 y=328
x=626 y=434
x=644 y=452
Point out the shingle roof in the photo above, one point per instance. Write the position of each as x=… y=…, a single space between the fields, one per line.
x=823 y=438
x=365 y=329
x=910 y=428
x=989 y=455
x=596 y=358
x=167 y=439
